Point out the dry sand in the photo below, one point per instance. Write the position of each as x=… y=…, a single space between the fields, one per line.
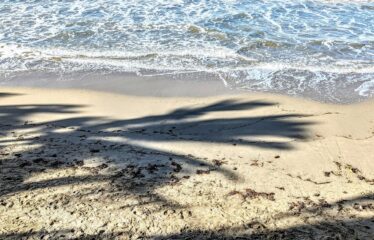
x=87 y=165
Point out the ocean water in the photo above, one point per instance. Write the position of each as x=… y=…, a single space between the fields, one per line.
x=315 y=48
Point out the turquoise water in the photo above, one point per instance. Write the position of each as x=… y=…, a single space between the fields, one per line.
x=296 y=47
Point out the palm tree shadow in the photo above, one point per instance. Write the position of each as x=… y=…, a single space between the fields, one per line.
x=139 y=169
x=129 y=167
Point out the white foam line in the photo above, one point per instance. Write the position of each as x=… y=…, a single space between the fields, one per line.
x=281 y=66
x=171 y=73
x=223 y=80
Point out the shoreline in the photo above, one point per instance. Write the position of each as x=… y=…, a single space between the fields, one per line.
x=188 y=94
x=196 y=84
x=86 y=164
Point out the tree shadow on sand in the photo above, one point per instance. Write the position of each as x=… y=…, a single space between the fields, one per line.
x=85 y=138
x=113 y=145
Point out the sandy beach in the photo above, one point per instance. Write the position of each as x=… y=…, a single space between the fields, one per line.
x=147 y=119
x=78 y=164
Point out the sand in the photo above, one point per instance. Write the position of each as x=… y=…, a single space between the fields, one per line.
x=80 y=164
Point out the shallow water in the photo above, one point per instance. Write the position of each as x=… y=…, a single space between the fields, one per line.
x=319 y=49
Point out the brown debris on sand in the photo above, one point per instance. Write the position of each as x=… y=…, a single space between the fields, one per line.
x=252 y=194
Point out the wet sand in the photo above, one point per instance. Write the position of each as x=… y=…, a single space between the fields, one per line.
x=80 y=164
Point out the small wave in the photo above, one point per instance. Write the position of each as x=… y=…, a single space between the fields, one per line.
x=366 y=89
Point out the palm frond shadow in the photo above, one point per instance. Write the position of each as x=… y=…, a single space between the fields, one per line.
x=69 y=142
x=138 y=169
